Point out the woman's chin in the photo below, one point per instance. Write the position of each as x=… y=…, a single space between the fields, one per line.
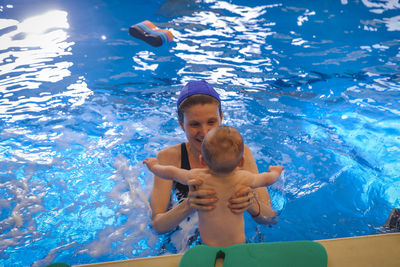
x=196 y=145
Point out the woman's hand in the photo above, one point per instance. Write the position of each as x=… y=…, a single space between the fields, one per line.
x=202 y=199
x=241 y=200
x=256 y=203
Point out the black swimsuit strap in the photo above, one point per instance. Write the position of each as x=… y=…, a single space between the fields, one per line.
x=182 y=190
x=185 y=164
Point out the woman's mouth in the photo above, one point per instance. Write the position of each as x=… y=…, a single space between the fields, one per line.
x=199 y=140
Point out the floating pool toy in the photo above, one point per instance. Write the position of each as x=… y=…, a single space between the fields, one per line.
x=148 y=32
x=278 y=254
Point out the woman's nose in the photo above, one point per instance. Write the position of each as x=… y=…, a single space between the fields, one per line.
x=205 y=129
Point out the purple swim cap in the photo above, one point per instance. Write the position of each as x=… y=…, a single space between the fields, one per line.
x=197 y=88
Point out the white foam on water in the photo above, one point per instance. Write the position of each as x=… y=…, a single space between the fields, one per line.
x=53 y=254
x=180 y=238
x=19 y=228
x=132 y=200
x=278 y=195
x=333 y=178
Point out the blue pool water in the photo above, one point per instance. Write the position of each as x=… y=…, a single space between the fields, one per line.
x=312 y=85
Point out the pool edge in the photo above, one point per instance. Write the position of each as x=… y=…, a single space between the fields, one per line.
x=366 y=251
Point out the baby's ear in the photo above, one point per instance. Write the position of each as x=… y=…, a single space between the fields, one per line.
x=202 y=161
x=241 y=162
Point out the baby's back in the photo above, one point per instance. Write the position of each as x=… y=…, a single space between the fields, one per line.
x=220 y=226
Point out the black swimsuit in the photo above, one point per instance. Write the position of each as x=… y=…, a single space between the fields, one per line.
x=181 y=189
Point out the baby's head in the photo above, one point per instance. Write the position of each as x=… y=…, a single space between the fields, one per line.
x=222 y=149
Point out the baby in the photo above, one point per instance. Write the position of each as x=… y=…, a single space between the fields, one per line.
x=222 y=157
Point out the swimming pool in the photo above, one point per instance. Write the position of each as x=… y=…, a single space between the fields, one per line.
x=312 y=86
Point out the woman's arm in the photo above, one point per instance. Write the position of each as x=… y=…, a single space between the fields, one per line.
x=164 y=220
x=257 y=202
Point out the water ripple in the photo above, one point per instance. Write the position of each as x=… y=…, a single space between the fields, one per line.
x=34 y=53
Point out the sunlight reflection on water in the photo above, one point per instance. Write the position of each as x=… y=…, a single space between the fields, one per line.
x=32 y=52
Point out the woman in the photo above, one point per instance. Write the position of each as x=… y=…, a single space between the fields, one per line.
x=199 y=110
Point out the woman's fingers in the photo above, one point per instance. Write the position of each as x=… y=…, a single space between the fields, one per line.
x=242 y=200
x=244 y=191
x=203 y=203
x=238 y=210
x=202 y=207
x=194 y=184
x=242 y=197
x=202 y=193
x=241 y=206
x=194 y=191
x=202 y=199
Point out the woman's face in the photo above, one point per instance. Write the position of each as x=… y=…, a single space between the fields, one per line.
x=198 y=120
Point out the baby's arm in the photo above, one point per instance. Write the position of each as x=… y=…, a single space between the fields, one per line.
x=167 y=171
x=267 y=178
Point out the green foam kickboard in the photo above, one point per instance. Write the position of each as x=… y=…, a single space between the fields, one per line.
x=277 y=254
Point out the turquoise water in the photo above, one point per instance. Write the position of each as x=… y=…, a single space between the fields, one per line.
x=312 y=86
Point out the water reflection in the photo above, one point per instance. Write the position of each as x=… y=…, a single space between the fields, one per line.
x=35 y=52
x=215 y=43
x=379 y=7
x=42 y=23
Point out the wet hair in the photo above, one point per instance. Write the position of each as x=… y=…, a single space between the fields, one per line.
x=194 y=100
x=222 y=149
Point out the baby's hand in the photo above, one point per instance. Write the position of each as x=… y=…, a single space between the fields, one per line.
x=278 y=169
x=150 y=162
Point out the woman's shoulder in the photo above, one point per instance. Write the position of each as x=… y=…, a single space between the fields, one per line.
x=249 y=162
x=170 y=155
x=247 y=152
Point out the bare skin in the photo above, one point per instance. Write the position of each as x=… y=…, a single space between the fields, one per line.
x=218 y=227
x=198 y=120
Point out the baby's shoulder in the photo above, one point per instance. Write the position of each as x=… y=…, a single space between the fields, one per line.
x=241 y=172
x=200 y=172
x=243 y=176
